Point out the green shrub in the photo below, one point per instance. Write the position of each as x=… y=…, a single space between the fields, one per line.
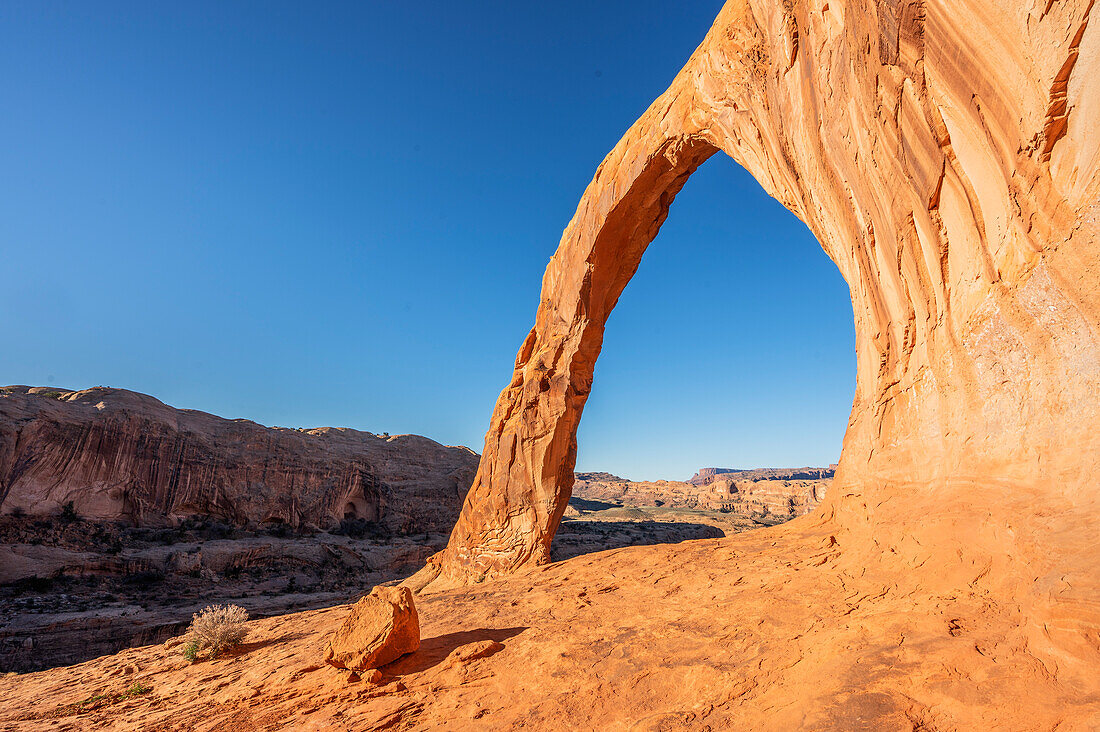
x=136 y=689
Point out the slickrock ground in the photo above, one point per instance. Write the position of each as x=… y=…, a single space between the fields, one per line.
x=777 y=629
x=72 y=589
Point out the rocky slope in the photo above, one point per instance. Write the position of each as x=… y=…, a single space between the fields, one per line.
x=73 y=590
x=117 y=455
x=784 y=628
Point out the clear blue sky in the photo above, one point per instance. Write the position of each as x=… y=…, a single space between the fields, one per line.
x=339 y=214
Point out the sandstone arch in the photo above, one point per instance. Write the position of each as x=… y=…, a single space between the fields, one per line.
x=946 y=157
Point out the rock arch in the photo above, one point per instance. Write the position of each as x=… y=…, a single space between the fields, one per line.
x=946 y=157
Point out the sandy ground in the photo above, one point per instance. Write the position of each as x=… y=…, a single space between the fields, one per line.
x=953 y=620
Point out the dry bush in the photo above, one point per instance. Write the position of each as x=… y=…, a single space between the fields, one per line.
x=216 y=628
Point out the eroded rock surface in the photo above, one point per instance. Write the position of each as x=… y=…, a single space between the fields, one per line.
x=122 y=456
x=946 y=157
x=382 y=627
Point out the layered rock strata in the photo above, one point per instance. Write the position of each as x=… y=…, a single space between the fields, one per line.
x=764 y=495
x=946 y=157
x=117 y=455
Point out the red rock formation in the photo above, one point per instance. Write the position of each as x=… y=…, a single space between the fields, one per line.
x=748 y=493
x=705 y=476
x=382 y=627
x=946 y=157
x=119 y=455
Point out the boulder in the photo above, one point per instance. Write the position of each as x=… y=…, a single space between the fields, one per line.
x=382 y=627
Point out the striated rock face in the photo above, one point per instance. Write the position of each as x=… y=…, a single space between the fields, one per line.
x=946 y=157
x=382 y=627
x=120 y=455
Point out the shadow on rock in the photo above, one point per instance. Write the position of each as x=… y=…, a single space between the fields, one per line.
x=577 y=537
x=434 y=651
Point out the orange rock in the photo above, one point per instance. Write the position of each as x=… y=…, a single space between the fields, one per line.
x=947 y=158
x=382 y=627
x=473 y=651
x=118 y=455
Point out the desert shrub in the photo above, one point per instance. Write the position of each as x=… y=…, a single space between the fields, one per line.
x=191 y=651
x=68 y=512
x=355 y=528
x=217 y=628
x=136 y=689
x=51 y=394
x=145 y=579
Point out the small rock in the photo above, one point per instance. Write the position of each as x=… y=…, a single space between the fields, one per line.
x=472 y=651
x=382 y=627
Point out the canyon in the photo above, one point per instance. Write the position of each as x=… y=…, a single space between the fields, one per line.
x=121 y=516
x=119 y=455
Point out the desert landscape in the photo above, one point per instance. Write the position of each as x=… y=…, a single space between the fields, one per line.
x=122 y=517
x=944 y=575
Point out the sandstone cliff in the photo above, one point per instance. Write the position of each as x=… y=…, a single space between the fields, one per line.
x=704 y=476
x=945 y=156
x=119 y=455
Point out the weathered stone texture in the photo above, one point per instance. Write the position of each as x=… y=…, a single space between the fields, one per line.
x=119 y=455
x=946 y=157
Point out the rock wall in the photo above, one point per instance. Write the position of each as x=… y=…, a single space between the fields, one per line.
x=120 y=455
x=705 y=476
x=946 y=157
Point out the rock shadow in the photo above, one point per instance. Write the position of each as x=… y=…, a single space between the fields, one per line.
x=434 y=650
x=250 y=646
x=578 y=536
x=588 y=504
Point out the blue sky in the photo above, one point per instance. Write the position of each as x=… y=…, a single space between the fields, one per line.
x=339 y=214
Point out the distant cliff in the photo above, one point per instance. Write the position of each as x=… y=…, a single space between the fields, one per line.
x=703 y=476
x=765 y=495
x=119 y=455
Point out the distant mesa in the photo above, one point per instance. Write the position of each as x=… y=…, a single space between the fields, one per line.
x=707 y=475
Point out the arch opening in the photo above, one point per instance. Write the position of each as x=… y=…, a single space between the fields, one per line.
x=732 y=346
x=974 y=320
